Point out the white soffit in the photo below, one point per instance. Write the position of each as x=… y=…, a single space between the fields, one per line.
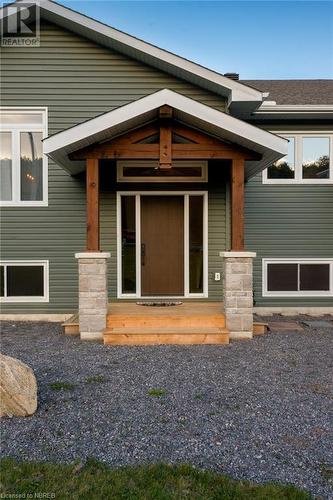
x=186 y=110
x=239 y=96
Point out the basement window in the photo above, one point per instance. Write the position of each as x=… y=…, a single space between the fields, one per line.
x=149 y=171
x=24 y=281
x=309 y=161
x=23 y=167
x=296 y=277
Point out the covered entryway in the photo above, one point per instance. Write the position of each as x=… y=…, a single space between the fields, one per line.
x=165 y=128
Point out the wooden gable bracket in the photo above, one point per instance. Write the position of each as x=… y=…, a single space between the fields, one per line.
x=165 y=115
x=130 y=146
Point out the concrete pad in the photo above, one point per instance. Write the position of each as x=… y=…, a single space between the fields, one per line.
x=285 y=326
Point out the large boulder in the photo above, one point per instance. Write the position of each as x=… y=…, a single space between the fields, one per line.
x=18 y=388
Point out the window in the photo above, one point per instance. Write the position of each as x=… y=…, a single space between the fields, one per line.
x=148 y=171
x=24 y=281
x=297 y=277
x=285 y=167
x=309 y=161
x=23 y=167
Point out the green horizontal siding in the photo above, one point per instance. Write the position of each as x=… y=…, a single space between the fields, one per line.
x=76 y=80
x=283 y=221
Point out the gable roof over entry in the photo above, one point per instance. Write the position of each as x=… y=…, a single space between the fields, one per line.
x=185 y=110
x=240 y=97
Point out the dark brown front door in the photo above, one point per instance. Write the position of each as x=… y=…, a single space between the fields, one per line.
x=162 y=245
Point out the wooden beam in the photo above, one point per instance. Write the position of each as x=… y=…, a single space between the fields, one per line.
x=165 y=146
x=153 y=152
x=237 y=205
x=128 y=146
x=165 y=112
x=165 y=160
x=138 y=134
x=92 y=180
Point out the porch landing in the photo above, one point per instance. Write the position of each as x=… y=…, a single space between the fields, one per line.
x=188 y=323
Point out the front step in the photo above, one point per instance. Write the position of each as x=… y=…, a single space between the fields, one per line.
x=152 y=336
x=161 y=321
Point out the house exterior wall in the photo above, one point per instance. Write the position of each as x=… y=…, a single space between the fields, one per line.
x=288 y=221
x=77 y=80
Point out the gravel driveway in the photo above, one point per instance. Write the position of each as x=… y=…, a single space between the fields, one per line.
x=260 y=409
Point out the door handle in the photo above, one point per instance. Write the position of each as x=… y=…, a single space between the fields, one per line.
x=143 y=253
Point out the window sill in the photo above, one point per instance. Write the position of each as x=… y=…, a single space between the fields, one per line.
x=16 y=300
x=297 y=294
x=24 y=204
x=292 y=182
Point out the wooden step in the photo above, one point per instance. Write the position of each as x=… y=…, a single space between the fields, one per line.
x=152 y=336
x=260 y=328
x=71 y=325
x=162 y=321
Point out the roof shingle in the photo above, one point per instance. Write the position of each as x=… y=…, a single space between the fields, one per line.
x=295 y=91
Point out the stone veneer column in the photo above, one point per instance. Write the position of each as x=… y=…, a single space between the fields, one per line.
x=93 y=294
x=238 y=293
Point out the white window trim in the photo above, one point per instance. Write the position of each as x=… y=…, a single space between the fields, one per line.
x=15 y=129
x=301 y=293
x=186 y=195
x=298 y=136
x=27 y=299
x=141 y=163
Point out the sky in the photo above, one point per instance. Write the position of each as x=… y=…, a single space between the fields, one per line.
x=257 y=39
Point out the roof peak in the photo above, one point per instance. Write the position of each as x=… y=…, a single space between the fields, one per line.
x=240 y=97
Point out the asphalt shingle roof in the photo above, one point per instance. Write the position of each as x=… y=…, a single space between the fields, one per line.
x=295 y=91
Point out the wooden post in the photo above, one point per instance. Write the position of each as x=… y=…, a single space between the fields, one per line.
x=92 y=179
x=165 y=137
x=237 y=205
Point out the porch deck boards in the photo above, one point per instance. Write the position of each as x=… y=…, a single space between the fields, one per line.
x=187 y=323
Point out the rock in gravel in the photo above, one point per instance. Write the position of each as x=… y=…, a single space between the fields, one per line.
x=18 y=388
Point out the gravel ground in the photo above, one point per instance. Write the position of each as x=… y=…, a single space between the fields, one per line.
x=258 y=409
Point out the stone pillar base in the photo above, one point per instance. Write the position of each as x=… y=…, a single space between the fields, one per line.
x=238 y=293
x=93 y=294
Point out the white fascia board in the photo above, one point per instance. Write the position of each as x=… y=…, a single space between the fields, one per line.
x=292 y=112
x=220 y=120
x=150 y=54
x=294 y=107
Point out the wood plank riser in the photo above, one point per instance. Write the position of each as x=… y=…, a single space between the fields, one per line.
x=159 y=339
x=115 y=321
x=72 y=330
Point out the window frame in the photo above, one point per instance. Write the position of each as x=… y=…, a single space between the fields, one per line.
x=298 y=138
x=15 y=130
x=299 y=293
x=27 y=299
x=203 y=164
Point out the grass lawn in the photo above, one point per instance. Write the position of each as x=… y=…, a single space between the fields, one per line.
x=156 y=482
